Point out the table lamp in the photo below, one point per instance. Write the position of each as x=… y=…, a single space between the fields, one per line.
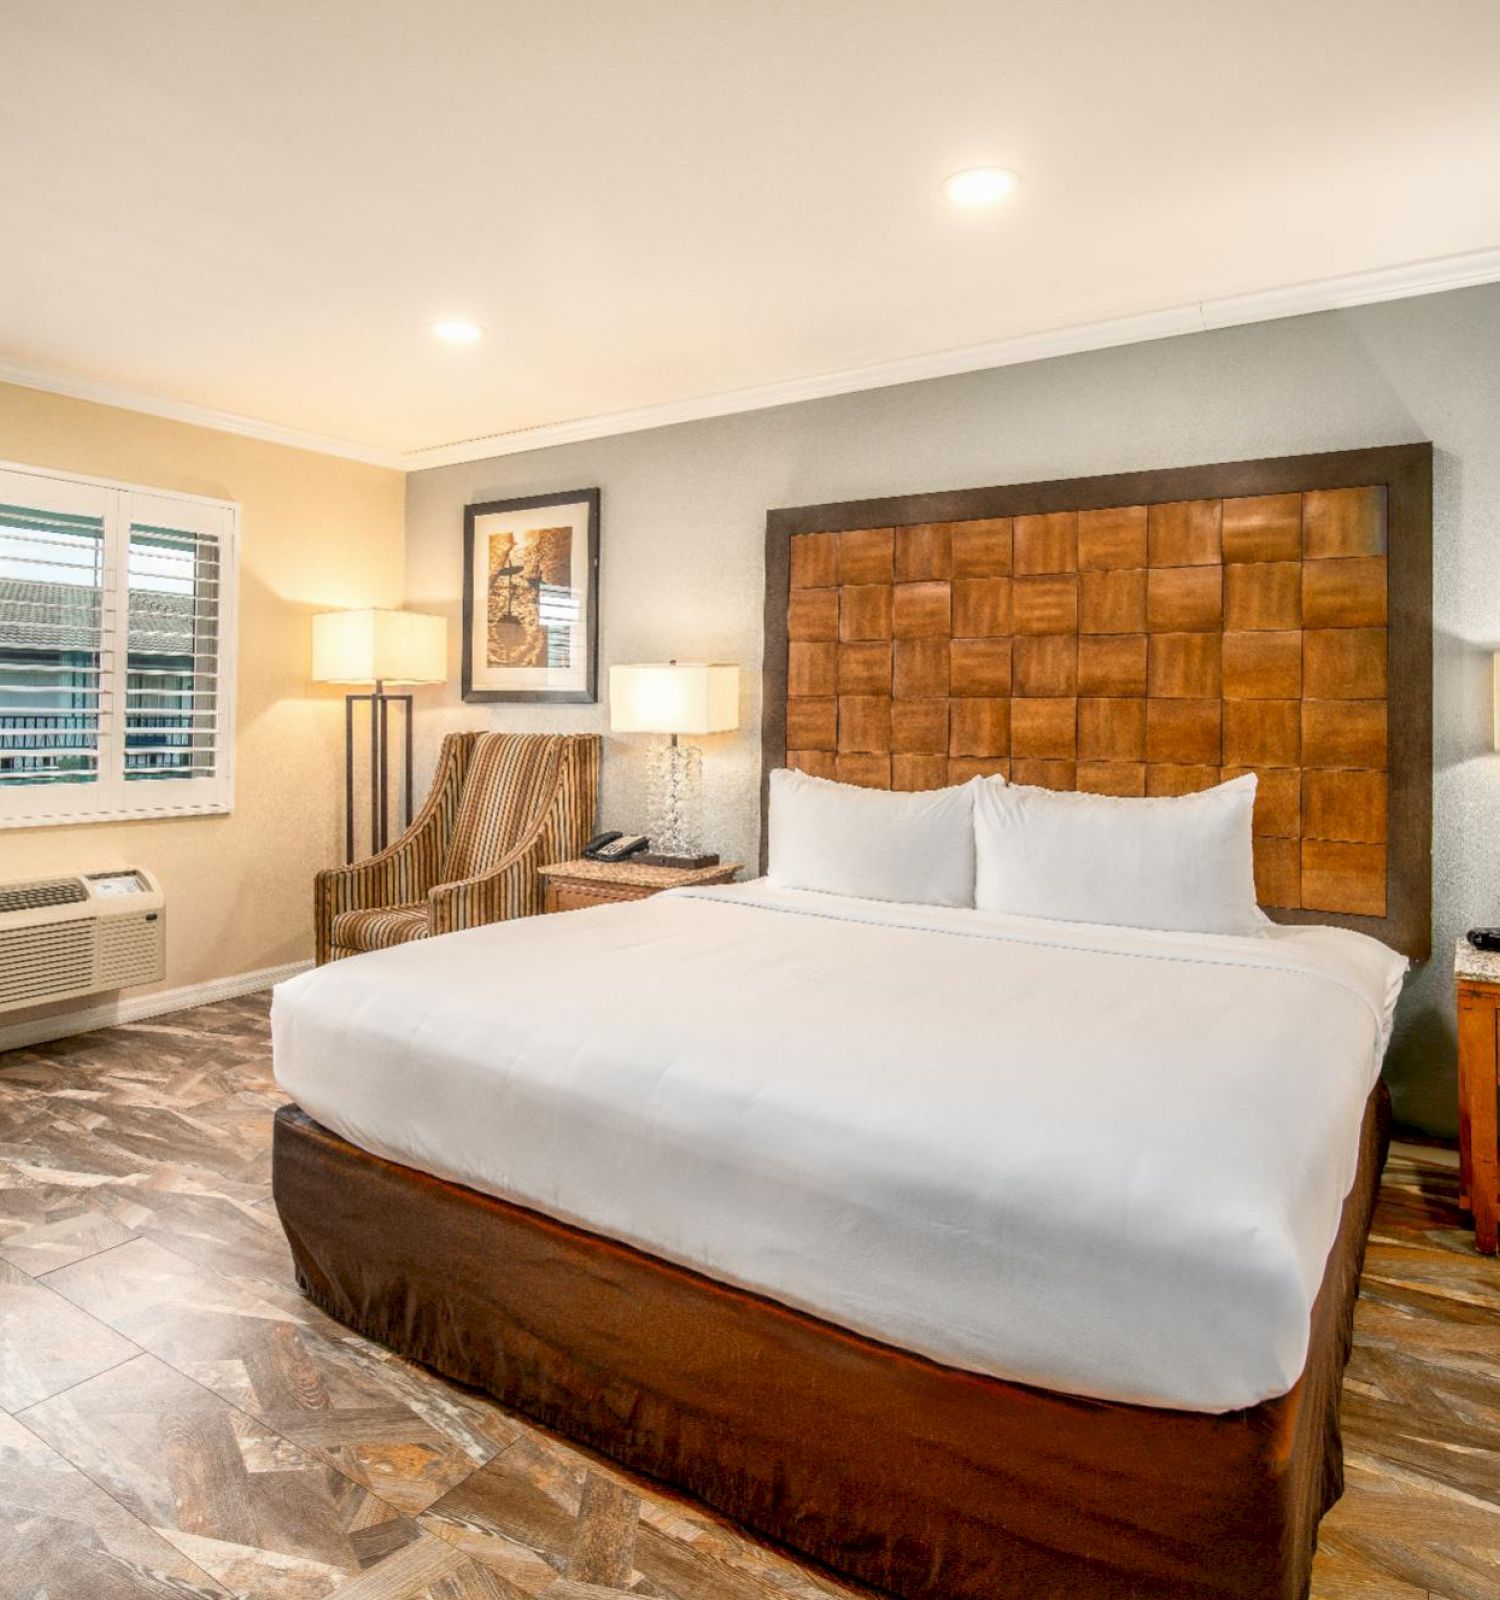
x=378 y=647
x=675 y=698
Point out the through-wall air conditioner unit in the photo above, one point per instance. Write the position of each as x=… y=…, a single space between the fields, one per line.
x=63 y=937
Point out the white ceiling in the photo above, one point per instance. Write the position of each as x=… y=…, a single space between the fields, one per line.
x=259 y=205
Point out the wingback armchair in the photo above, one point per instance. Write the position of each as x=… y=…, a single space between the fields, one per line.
x=502 y=805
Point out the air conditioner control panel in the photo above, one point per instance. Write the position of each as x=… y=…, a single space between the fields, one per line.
x=112 y=885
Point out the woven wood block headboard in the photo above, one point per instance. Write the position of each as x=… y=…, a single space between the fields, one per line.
x=1144 y=634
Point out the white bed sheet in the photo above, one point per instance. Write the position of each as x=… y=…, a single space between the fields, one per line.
x=1102 y=1160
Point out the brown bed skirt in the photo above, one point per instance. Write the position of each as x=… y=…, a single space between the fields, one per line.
x=916 y=1478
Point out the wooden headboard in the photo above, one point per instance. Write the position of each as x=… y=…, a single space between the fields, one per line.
x=1146 y=633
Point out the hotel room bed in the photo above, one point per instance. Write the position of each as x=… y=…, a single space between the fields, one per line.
x=973 y=1255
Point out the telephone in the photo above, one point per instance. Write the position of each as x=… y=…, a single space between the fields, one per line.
x=615 y=846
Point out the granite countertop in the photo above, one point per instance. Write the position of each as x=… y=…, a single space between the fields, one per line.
x=1481 y=965
x=632 y=872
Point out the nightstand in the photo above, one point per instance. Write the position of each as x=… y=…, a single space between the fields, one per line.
x=572 y=885
x=1478 y=974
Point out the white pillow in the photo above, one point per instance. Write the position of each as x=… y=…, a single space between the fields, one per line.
x=1180 y=863
x=876 y=844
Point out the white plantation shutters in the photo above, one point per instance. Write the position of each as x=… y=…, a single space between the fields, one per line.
x=116 y=627
x=176 y=579
x=54 y=642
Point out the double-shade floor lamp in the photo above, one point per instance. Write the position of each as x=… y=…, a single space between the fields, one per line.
x=379 y=648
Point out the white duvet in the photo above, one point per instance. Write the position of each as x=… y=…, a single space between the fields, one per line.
x=1101 y=1160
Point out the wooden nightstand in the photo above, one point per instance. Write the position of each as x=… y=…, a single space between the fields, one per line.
x=1478 y=973
x=572 y=885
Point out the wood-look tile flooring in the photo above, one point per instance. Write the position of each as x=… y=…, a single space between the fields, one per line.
x=176 y=1421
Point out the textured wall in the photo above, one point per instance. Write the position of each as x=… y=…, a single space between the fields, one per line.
x=684 y=512
x=316 y=534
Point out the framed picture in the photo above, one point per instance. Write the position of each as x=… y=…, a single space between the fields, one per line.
x=531 y=601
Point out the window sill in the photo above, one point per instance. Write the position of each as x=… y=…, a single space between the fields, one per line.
x=78 y=819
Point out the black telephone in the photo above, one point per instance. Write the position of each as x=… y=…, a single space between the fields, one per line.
x=1485 y=938
x=615 y=846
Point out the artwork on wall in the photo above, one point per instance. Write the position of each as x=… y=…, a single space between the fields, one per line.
x=531 y=606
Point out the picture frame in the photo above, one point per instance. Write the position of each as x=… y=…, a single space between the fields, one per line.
x=531 y=599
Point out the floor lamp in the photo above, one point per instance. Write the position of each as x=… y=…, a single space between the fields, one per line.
x=379 y=648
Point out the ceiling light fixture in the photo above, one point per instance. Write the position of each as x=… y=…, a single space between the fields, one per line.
x=980 y=186
x=453 y=331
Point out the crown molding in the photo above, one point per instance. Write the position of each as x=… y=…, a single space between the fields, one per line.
x=1436 y=276
x=792 y=391
x=1228 y=311
x=1327 y=294
x=155 y=405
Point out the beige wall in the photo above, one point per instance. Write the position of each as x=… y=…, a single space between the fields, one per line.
x=316 y=533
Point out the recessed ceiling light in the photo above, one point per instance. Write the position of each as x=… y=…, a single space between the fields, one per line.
x=453 y=331
x=980 y=186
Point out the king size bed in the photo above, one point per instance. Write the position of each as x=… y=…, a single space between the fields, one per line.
x=972 y=1254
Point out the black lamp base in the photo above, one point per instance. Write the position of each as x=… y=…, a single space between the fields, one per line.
x=380 y=760
x=649 y=858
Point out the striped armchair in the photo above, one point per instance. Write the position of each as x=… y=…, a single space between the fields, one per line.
x=502 y=805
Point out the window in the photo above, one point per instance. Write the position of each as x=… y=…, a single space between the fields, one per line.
x=116 y=666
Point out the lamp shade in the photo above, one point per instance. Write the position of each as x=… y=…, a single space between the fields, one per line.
x=674 y=697
x=379 y=646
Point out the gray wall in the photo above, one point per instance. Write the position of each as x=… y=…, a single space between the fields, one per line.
x=684 y=517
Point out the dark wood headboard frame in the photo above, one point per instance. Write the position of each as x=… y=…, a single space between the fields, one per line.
x=1406 y=473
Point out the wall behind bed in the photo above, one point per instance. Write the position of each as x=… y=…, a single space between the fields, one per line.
x=684 y=524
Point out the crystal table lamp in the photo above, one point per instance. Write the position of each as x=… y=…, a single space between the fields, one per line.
x=675 y=698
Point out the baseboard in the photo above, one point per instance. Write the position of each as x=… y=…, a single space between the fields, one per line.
x=136 y=1008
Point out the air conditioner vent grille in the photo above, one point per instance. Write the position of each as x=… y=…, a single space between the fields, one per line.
x=129 y=951
x=34 y=896
x=36 y=963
